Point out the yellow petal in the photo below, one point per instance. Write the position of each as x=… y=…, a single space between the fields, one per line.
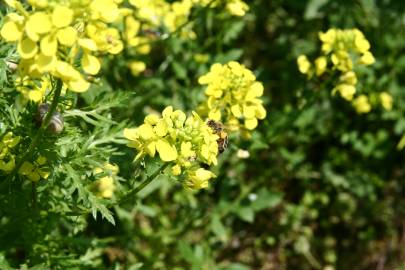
x=176 y=170
x=88 y=44
x=256 y=90
x=166 y=151
x=67 y=36
x=35 y=95
x=62 y=16
x=203 y=174
x=45 y=63
x=161 y=128
x=236 y=111
x=49 y=45
x=131 y=134
x=137 y=67
x=117 y=48
x=27 y=48
x=260 y=112
x=80 y=85
x=39 y=23
x=249 y=111
x=215 y=115
x=90 y=64
x=251 y=123
x=151 y=148
x=145 y=131
x=10 y=31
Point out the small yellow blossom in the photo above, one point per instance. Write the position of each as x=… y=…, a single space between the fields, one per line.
x=386 y=100
x=303 y=64
x=7 y=158
x=137 y=67
x=34 y=171
x=361 y=104
x=105 y=185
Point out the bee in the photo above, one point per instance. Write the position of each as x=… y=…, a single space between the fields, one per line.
x=219 y=129
x=56 y=123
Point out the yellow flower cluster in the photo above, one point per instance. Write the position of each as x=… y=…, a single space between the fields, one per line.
x=7 y=159
x=52 y=35
x=105 y=185
x=32 y=90
x=185 y=141
x=341 y=50
x=233 y=96
x=34 y=171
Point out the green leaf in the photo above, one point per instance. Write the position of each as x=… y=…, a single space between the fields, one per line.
x=266 y=199
x=246 y=213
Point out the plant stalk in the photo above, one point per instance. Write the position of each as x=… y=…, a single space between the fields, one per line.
x=41 y=130
x=147 y=181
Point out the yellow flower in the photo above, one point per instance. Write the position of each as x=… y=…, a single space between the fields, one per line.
x=105 y=185
x=347 y=91
x=321 y=64
x=198 y=179
x=233 y=96
x=34 y=171
x=137 y=67
x=386 y=100
x=184 y=141
x=237 y=7
x=304 y=65
x=50 y=34
x=7 y=158
x=367 y=59
x=361 y=104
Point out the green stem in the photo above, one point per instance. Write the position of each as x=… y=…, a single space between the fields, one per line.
x=41 y=130
x=147 y=181
x=128 y=196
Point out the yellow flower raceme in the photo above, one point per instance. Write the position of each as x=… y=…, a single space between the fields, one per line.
x=233 y=96
x=7 y=158
x=184 y=141
x=342 y=52
x=52 y=35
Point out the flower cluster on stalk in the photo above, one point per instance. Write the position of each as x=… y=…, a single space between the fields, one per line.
x=342 y=51
x=51 y=36
x=233 y=96
x=186 y=142
x=7 y=158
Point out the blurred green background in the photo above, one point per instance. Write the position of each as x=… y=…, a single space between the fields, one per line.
x=323 y=187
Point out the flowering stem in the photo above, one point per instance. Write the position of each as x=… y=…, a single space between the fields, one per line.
x=142 y=185
x=41 y=130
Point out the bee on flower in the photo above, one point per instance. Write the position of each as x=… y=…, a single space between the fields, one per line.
x=183 y=141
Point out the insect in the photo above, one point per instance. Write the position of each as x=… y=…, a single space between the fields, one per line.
x=56 y=123
x=218 y=129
